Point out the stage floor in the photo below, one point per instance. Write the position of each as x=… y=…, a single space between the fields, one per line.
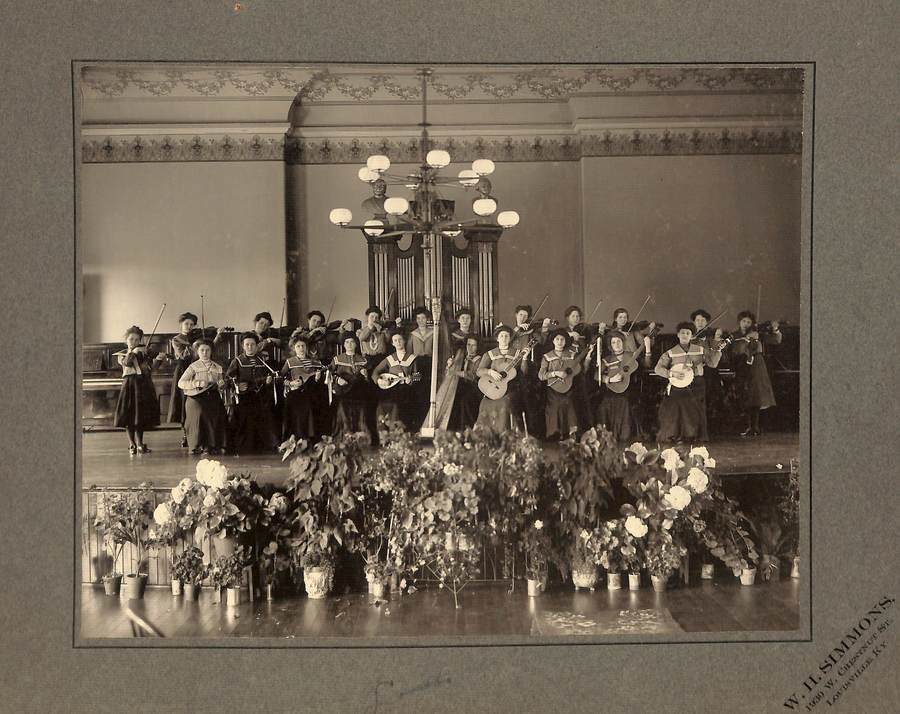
x=106 y=461
x=722 y=605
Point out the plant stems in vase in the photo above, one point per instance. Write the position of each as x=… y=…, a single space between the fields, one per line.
x=634 y=581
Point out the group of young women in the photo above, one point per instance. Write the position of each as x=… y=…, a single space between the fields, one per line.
x=552 y=381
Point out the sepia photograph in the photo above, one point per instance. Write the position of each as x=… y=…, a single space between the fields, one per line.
x=443 y=353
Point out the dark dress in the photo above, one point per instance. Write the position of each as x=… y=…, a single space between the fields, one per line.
x=751 y=375
x=351 y=399
x=680 y=416
x=137 y=406
x=184 y=356
x=468 y=397
x=560 y=416
x=615 y=411
x=299 y=418
x=496 y=413
x=397 y=402
x=253 y=413
x=204 y=421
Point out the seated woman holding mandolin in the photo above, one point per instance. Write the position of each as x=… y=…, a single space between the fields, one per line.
x=395 y=376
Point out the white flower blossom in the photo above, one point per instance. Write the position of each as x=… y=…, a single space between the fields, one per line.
x=678 y=497
x=162 y=514
x=639 y=451
x=538 y=525
x=697 y=480
x=671 y=460
x=185 y=484
x=700 y=451
x=585 y=535
x=209 y=501
x=178 y=494
x=636 y=526
x=710 y=463
x=403 y=583
x=212 y=473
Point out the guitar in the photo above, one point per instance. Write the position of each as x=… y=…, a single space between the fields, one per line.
x=496 y=388
x=196 y=391
x=628 y=364
x=563 y=384
x=388 y=380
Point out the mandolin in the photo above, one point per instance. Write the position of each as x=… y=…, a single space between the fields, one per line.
x=496 y=388
x=389 y=380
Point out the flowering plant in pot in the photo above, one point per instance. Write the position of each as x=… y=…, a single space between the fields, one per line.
x=230 y=507
x=322 y=496
x=789 y=506
x=191 y=570
x=536 y=547
x=228 y=572
x=273 y=533
x=123 y=518
x=663 y=557
x=583 y=477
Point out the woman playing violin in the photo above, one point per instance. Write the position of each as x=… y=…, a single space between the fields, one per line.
x=268 y=338
x=253 y=413
x=581 y=336
x=137 y=408
x=709 y=389
x=751 y=376
x=204 y=421
x=528 y=398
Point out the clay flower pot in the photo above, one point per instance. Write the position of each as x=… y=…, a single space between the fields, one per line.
x=317 y=581
x=135 y=586
x=535 y=587
x=634 y=581
x=614 y=581
x=192 y=591
x=585 y=578
x=748 y=576
x=707 y=571
x=659 y=582
x=176 y=586
x=233 y=597
x=112 y=583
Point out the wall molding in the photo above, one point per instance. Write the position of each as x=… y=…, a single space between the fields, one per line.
x=675 y=141
x=399 y=83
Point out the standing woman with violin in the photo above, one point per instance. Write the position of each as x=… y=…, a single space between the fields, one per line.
x=349 y=384
x=679 y=410
x=204 y=421
x=137 y=408
x=528 y=397
x=253 y=412
x=183 y=355
x=581 y=337
x=557 y=367
x=709 y=389
x=268 y=339
x=615 y=412
x=301 y=375
x=751 y=376
x=396 y=401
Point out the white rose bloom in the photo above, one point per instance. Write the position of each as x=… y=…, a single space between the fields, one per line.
x=678 y=497
x=217 y=475
x=178 y=494
x=209 y=501
x=185 y=484
x=162 y=514
x=700 y=451
x=639 y=451
x=710 y=463
x=203 y=471
x=697 y=480
x=636 y=526
x=671 y=460
x=538 y=524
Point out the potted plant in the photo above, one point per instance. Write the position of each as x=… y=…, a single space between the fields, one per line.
x=321 y=491
x=228 y=572
x=273 y=530
x=789 y=506
x=124 y=518
x=536 y=547
x=188 y=567
x=663 y=557
x=584 y=561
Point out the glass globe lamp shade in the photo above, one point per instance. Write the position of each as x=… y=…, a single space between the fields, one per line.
x=368 y=175
x=378 y=162
x=340 y=216
x=508 y=219
x=484 y=206
x=468 y=178
x=437 y=158
x=483 y=167
x=396 y=205
x=377 y=227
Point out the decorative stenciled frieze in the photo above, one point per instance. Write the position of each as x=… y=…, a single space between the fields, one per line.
x=449 y=83
x=569 y=147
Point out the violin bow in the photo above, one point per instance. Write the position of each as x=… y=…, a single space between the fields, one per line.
x=758 y=301
x=599 y=302
x=158 y=318
x=202 y=314
x=631 y=324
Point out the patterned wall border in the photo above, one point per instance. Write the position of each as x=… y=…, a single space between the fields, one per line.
x=622 y=142
x=361 y=84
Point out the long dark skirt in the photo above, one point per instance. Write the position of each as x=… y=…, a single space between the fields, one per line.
x=581 y=400
x=679 y=415
x=714 y=396
x=350 y=412
x=253 y=423
x=495 y=413
x=299 y=419
x=559 y=413
x=204 y=420
x=176 y=412
x=753 y=384
x=465 y=406
x=397 y=404
x=615 y=414
x=137 y=405
x=699 y=386
x=421 y=390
